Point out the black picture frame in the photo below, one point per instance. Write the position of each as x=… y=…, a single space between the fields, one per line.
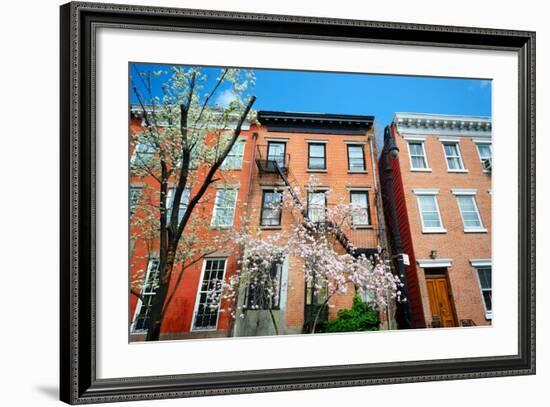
x=77 y=174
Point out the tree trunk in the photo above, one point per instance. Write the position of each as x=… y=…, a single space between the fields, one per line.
x=153 y=331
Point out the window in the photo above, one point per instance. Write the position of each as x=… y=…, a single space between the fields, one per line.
x=356 y=158
x=170 y=203
x=417 y=155
x=148 y=292
x=429 y=213
x=484 y=275
x=316 y=206
x=143 y=153
x=316 y=156
x=276 y=154
x=485 y=155
x=469 y=213
x=135 y=193
x=271 y=208
x=266 y=294
x=224 y=207
x=208 y=297
x=361 y=213
x=452 y=154
x=234 y=159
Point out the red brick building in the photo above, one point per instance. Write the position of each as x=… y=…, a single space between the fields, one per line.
x=442 y=195
x=338 y=149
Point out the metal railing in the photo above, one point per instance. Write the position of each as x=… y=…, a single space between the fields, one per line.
x=268 y=163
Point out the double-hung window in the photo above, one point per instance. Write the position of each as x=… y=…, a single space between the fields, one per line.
x=417 y=154
x=271 y=208
x=356 y=157
x=453 y=157
x=234 y=159
x=143 y=153
x=360 y=203
x=207 y=304
x=485 y=155
x=276 y=154
x=148 y=292
x=135 y=193
x=316 y=206
x=469 y=210
x=224 y=207
x=317 y=156
x=429 y=211
x=484 y=274
x=184 y=201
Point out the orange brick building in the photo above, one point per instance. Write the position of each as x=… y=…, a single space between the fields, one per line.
x=442 y=194
x=338 y=149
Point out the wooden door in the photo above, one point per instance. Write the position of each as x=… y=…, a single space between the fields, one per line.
x=440 y=301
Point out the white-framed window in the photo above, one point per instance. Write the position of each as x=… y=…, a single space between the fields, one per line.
x=417 y=155
x=361 y=213
x=484 y=274
x=207 y=303
x=135 y=193
x=234 y=159
x=453 y=156
x=469 y=210
x=143 y=152
x=356 y=157
x=485 y=152
x=317 y=159
x=317 y=206
x=430 y=215
x=142 y=314
x=224 y=207
x=183 y=203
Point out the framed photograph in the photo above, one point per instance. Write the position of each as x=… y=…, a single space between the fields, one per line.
x=255 y=203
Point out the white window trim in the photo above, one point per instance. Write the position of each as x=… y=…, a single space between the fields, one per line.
x=140 y=303
x=480 y=263
x=368 y=208
x=469 y=192
x=421 y=141
x=433 y=263
x=197 y=296
x=215 y=208
x=456 y=142
x=433 y=192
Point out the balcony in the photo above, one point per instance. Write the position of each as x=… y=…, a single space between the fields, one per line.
x=268 y=161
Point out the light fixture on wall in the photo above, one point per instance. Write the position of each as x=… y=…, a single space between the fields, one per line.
x=433 y=254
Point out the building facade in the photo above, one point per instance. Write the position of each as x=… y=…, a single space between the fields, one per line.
x=441 y=190
x=279 y=153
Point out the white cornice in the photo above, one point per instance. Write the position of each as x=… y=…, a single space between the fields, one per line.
x=421 y=124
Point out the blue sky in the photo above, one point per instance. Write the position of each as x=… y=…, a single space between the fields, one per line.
x=364 y=94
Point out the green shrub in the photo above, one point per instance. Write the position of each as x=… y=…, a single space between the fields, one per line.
x=361 y=317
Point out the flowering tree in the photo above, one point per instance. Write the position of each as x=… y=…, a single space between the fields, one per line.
x=324 y=265
x=188 y=132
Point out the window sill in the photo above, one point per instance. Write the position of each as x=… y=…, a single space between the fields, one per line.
x=231 y=169
x=319 y=170
x=421 y=170
x=271 y=227
x=458 y=171
x=221 y=227
x=434 y=231
x=362 y=227
x=489 y=315
x=203 y=329
x=483 y=230
x=358 y=172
